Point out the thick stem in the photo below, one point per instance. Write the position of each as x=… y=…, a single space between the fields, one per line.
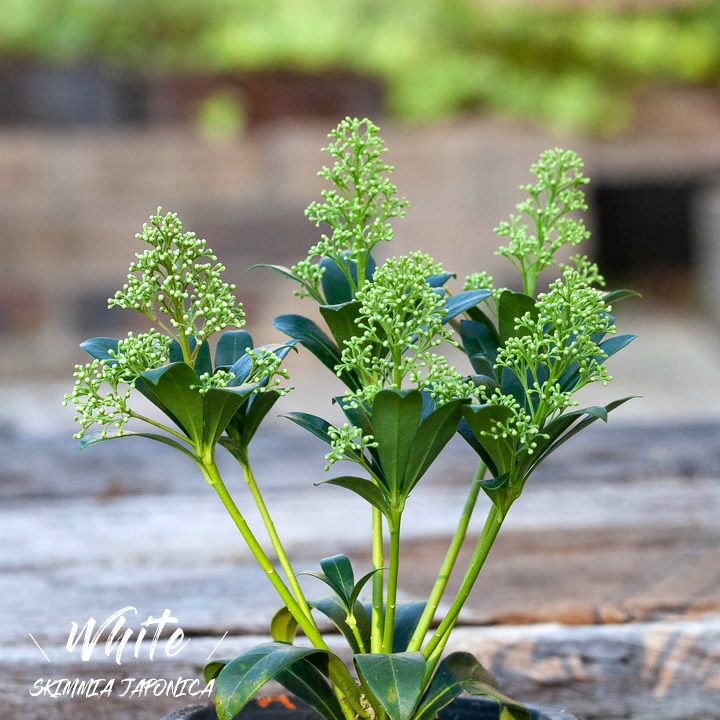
x=340 y=677
x=378 y=582
x=273 y=535
x=448 y=563
x=484 y=544
x=393 y=573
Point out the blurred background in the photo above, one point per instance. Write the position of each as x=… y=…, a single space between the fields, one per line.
x=217 y=109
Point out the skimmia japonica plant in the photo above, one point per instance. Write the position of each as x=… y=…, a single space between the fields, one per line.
x=528 y=354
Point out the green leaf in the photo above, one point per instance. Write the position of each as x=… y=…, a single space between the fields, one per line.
x=359 y=585
x=203 y=363
x=244 y=676
x=511 y=306
x=212 y=669
x=231 y=346
x=407 y=616
x=437 y=281
x=497 y=453
x=616 y=295
x=341 y=320
x=335 y=285
x=171 y=384
x=305 y=681
x=89 y=440
x=336 y=611
x=311 y=336
x=362 y=487
x=395 y=421
x=393 y=681
x=219 y=407
x=312 y=423
x=479 y=341
x=510 y=709
x=283 y=626
x=338 y=570
x=456 y=304
x=453 y=675
x=433 y=435
x=98 y=347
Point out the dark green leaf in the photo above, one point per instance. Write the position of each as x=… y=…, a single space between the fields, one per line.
x=360 y=584
x=203 y=362
x=338 y=570
x=616 y=295
x=482 y=420
x=434 y=433
x=341 y=320
x=362 y=487
x=407 y=616
x=305 y=681
x=459 y=303
x=253 y=413
x=479 y=341
x=335 y=610
x=231 y=346
x=244 y=676
x=439 y=280
x=511 y=306
x=451 y=678
x=89 y=440
x=393 y=681
x=511 y=709
x=335 y=285
x=176 y=353
x=395 y=421
x=98 y=347
x=283 y=626
x=172 y=384
x=219 y=407
x=311 y=336
x=312 y=423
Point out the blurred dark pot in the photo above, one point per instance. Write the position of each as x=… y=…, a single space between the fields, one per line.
x=465 y=708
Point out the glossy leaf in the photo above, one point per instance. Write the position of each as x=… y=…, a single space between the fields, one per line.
x=335 y=285
x=231 y=346
x=219 y=407
x=341 y=320
x=172 y=385
x=616 y=295
x=283 y=626
x=456 y=304
x=479 y=342
x=89 y=440
x=244 y=676
x=407 y=616
x=362 y=487
x=335 y=610
x=203 y=362
x=439 y=280
x=393 y=681
x=312 y=423
x=395 y=421
x=338 y=570
x=98 y=347
x=311 y=336
x=511 y=306
x=497 y=453
x=305 y=681
x=454 y=675
x=434 y=433
x=360 y=584
x=176 y=354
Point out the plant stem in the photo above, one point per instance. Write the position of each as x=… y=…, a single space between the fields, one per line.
x=448 y=563
x=378 y=582
x=340 y=677
x=393 y=572
x=482 y=548
x=274 y=537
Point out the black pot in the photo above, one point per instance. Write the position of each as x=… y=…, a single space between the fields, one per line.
x=465 y=708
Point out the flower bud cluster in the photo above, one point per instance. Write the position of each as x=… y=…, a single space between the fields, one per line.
x=358 y=207
x=178 y=276
x=97 y=394
x=209 y=381
x=347 y=443
x=557 y=192
x=267 y=369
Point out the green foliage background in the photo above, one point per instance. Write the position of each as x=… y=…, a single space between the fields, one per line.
x=573 y=67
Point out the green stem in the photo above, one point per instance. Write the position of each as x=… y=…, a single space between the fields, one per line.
x=274 y=537
x=393 y=572
x=378 y=582
x=484 y=544
x=340 y=677
x=448 y=563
